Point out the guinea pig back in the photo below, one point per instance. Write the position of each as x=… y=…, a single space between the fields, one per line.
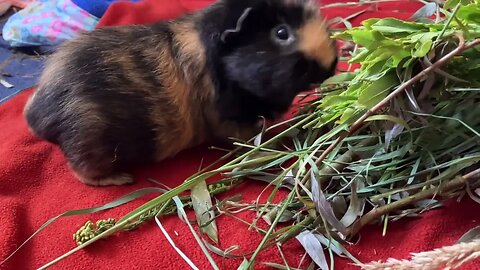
x=119 y=97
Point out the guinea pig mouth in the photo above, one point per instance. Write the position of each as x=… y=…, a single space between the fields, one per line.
x=314 y=85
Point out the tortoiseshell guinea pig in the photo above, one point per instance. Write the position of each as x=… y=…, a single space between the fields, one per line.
x=119 y=97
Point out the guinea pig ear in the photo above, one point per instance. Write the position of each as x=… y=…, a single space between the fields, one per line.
x=246 y=12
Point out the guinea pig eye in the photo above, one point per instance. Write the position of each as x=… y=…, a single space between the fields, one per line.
x=282 y=35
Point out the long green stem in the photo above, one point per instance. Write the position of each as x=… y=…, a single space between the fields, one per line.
x=272 y=227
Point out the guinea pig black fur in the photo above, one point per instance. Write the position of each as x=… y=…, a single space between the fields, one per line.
x=119 y=97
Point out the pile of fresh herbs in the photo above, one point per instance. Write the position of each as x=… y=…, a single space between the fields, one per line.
x=386 y=141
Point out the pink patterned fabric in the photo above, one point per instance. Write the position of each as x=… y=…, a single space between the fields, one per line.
x=47 y=22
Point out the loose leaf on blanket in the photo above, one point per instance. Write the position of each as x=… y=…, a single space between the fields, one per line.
x=472 y=234
x=271 y=215
x=6 y=84
x=183 y=215
x=224 y=253
x=336 y=247
x=313 y=247
x=120 y=201
x=178 y=250
x=202 y=205
x=244 y=265
x=280 y=266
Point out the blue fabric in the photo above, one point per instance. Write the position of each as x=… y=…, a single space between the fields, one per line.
x=21 y=72
x=97 y=7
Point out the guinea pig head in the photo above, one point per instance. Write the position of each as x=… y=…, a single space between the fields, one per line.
x=268 y=52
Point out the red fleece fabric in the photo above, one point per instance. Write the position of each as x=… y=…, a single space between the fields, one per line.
x=36 y=185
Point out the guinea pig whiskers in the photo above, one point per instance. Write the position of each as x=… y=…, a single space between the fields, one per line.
x=115 y=154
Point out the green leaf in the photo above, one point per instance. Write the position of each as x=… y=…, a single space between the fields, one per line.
x=470 y=13
x=337 y=101
x=391 y=118
x=391 y=25
x=369 y=39
x=423 y=45
x=376 y=91
x=451 y=3
x=349 y=115
x=359 y=56
x=340 y=78
x=202 y=205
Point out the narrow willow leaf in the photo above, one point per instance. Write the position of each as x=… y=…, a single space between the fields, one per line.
x=428 y=203
x=184 y=217
x=336 y=247
x=313 y=247
x=329 y=244
x=202 y=205
x=339 y=206
x=324 y=207
x=258 y=139
x=224 y=253
x=355 y=208
x=413 y=101
x=392 y=133
x=271 y=215
x=424 y=12
x=473 y=195
x=414 y=171
x=279 y=266
x=244 y=265
x=472 y=234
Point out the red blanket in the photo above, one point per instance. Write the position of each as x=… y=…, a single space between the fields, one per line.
x=35 y=185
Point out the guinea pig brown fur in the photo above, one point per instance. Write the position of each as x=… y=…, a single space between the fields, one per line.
x=119 y=97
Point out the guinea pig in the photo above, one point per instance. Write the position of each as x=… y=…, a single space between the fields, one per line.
x=119 y=97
